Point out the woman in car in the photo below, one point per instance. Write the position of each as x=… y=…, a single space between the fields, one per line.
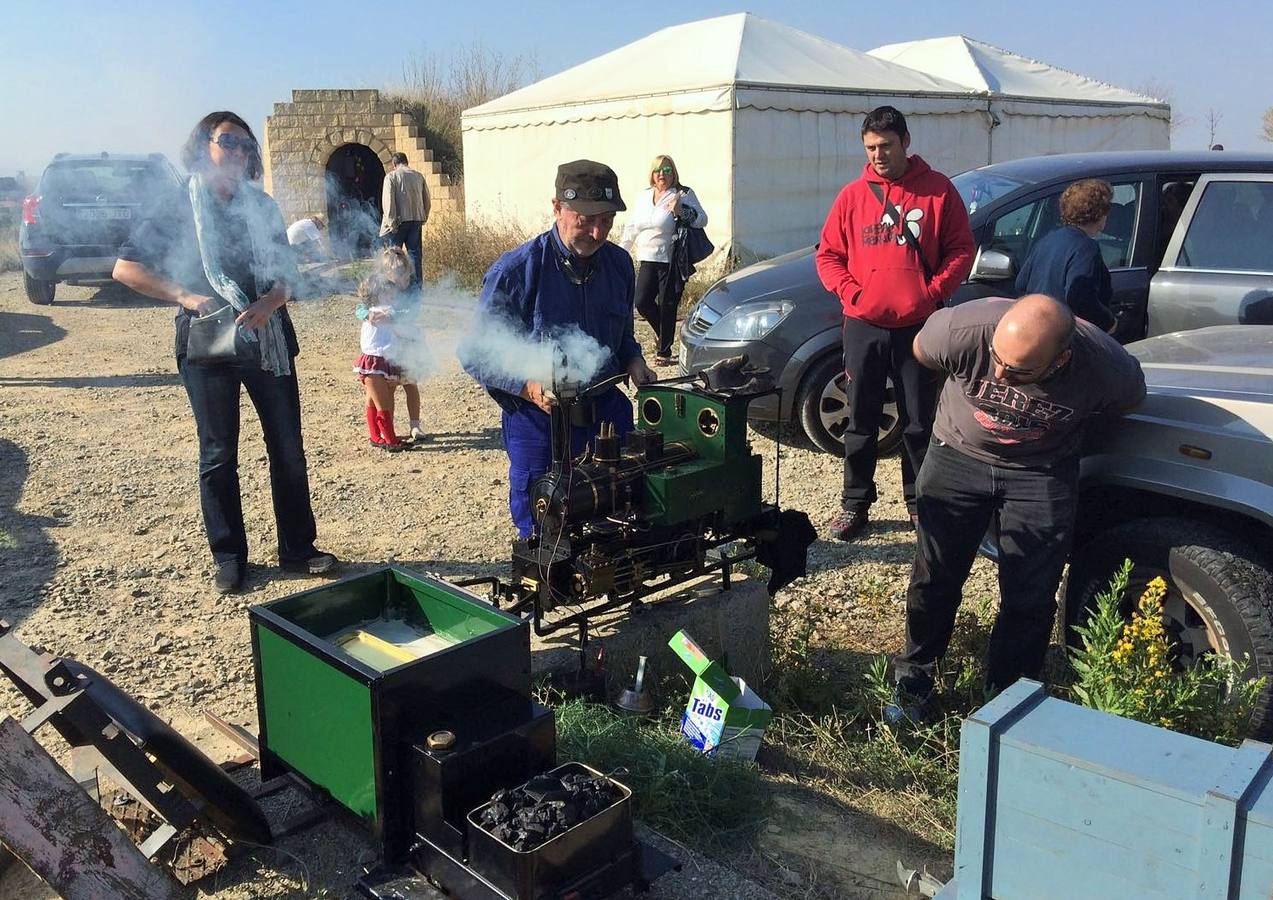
x=648 y=236
x=1066 y=263
x=220 y=241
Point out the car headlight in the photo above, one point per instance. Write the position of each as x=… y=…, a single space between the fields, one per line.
x=750 y=321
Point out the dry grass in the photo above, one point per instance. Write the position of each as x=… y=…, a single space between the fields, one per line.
x=9 y=259
x=465 y=251
x=436 y=89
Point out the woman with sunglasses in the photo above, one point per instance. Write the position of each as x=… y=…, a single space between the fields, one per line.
x=220 y=241
x=648 y=236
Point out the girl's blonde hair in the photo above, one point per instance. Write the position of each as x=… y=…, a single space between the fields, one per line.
x=661 y=160
x=388 y=262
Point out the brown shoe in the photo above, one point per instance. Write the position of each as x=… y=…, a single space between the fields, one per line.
x=849 y=523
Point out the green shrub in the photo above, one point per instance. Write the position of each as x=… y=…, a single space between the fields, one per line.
x=1131 y=669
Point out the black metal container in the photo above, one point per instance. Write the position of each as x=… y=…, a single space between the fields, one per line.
x=595 y=857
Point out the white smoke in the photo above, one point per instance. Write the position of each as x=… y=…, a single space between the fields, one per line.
x=440 y=330
x=494 y=349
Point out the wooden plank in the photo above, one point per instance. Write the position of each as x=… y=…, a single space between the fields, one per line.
x=1033 y=872
x=1061 y=859
x=978 y=780
x=49 y=822
x=1175 y=764
x=1220 y=829
x=1143 y=823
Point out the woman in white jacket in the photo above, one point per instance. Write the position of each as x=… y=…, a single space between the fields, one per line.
x=648 y=236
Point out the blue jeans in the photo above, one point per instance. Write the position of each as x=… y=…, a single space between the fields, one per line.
x=958 y=497
x=214 y=398
x=528 y=440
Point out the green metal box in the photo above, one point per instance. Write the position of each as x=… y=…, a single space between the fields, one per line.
x=350 y=673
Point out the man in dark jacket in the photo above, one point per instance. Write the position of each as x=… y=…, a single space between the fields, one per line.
x=895 y=245
x=1066 y=263
x=567 y=280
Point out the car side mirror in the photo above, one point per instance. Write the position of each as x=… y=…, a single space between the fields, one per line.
x=993 y=265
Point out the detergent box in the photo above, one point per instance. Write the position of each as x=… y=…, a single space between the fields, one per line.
x=724 y=717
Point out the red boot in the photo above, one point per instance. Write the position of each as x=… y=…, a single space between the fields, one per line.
x=388 y=438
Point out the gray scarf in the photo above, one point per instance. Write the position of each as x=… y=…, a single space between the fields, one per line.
x=267 y=260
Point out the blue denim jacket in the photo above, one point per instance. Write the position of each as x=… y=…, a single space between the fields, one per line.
x=527 y=287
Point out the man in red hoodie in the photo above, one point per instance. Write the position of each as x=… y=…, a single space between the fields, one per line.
x=895 y=246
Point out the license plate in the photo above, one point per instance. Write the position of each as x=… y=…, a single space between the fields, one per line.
x=97 y=214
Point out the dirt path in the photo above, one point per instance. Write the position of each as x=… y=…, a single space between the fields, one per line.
x=102 y=553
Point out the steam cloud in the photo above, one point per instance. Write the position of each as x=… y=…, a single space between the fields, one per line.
x=495 y=350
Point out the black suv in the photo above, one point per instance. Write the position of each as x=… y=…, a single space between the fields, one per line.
x=81 y=212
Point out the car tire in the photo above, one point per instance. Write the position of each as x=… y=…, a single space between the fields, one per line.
x=823 y=408
x=1220 y=591
x=39 y=291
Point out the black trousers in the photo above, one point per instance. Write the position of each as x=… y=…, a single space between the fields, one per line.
x=658 y=295
x=958 y=498
x=214 y=398
x=871 y=355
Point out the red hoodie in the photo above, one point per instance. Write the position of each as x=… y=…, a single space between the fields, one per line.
x=865 y=261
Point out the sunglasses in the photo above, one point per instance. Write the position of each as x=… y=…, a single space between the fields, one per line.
x=234 y=142
x=1020 y=372
x=661 y=170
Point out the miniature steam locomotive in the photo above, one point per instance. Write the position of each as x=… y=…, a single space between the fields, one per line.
x=677 y=498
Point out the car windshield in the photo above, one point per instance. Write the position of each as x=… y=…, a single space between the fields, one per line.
x=101 y=180
x=979 y=187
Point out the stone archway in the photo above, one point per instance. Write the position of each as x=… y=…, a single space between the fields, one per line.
x=352 y=179
x=302 y=136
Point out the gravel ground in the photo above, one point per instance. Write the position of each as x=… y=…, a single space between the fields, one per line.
x=102 y=553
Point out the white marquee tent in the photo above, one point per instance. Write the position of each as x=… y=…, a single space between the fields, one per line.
x=1039 y=108
x=762 y=119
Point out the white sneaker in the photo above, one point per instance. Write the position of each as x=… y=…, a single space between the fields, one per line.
x=417 y=435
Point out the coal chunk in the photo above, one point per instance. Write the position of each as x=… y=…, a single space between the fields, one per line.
x=545 y=807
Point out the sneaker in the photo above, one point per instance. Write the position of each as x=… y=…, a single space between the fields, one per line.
x=849 y=523
x=318 y=564
x=229 y=576
x=908 y=709
x=417 y=435
x=394 y=447
x=661 y=361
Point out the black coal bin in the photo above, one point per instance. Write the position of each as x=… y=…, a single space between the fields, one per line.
x=598 y=851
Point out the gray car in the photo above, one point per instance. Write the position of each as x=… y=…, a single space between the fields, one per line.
x=1183 y=486
x=780 y=315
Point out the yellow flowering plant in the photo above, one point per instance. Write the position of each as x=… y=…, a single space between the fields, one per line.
x=1131 y=668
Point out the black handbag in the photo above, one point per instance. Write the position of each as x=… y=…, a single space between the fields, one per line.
x=697 y=245
x=214 y=338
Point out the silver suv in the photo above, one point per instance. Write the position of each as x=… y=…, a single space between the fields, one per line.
x=1218 y=267
x=1183 y=486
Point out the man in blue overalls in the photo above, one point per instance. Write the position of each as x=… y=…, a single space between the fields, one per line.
x=568 y=276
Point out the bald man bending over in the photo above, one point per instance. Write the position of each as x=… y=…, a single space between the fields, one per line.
x=1023 y=379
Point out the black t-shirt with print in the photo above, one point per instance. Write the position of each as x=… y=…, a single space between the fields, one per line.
x=1022 y=425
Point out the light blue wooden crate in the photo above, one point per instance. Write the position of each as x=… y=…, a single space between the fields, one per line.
x=1058 y=802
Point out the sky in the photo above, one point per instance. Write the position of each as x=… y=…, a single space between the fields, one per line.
x=135 y=76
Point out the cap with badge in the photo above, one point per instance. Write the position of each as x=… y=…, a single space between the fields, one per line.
x=589 y=187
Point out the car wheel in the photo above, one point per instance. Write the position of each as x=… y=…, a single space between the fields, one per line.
x=823 y=409
x=39 y=291
x=1219 y=597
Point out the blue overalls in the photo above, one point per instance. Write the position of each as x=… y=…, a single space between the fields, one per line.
x=528 y=288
